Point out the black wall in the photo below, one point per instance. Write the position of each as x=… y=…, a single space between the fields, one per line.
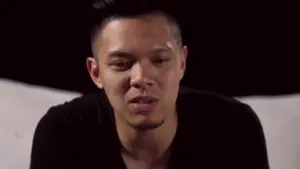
x=235 y=47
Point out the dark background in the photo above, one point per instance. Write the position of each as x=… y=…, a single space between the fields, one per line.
x=237 y=48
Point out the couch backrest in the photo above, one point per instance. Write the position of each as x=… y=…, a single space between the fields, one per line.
x=21 y=107
x=280 y=117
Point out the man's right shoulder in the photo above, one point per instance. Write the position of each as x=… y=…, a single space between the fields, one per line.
x=73 y=130
x=87 y=109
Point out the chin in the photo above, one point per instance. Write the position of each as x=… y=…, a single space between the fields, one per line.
x=147 y=125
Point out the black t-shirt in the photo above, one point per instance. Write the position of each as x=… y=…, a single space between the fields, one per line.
x=214 y=132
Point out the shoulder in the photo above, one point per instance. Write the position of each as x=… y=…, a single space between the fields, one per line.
x=215 y=105
x=73 y=109
x=201 y=97
x=77 y=114
x=224 y=125
x=69 y=131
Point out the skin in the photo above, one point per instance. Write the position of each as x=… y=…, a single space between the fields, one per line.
x=140 y=56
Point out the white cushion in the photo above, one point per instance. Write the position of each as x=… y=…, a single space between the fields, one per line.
x=22 y=106
x=280 y=117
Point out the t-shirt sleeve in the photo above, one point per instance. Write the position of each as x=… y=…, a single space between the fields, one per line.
x=251 y=144
x=49 y=146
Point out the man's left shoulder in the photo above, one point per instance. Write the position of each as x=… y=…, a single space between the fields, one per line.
x=204 y=102
x=224 y=125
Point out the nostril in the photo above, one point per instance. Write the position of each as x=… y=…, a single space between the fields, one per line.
x=142 y=85
x=138 y=86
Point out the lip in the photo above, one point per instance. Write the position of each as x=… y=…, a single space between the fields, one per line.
x=143 y=107
x=136 y=98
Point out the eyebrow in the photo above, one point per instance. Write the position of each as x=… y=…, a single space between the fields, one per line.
x=159 y=49
x=128 y=55
x=120 y=54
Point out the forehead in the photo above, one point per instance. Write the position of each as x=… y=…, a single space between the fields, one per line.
x=138 y=34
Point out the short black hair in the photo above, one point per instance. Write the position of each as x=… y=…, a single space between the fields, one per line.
x=101 y=11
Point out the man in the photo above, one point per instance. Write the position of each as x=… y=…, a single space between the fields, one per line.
x=141 y=118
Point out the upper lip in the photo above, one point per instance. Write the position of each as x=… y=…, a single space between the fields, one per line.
x=146 y=97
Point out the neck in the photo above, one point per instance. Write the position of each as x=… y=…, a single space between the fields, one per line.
x=147 y=145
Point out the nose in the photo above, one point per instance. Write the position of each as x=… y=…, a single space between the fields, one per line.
x=141 y=77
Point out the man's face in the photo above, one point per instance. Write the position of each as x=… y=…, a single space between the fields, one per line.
x=139 y=57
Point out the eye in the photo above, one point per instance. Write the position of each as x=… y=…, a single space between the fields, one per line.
x=161 y=60
x=121 y=65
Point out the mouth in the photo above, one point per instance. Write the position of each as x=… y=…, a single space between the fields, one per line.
x=143 y=103
x=143 y=99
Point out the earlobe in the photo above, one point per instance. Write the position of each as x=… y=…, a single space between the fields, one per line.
x=184 y=53
x=182 y=74
x=93 y=70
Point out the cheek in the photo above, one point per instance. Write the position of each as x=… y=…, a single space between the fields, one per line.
x=114 y=87
x=169 y=78
x=116 y=83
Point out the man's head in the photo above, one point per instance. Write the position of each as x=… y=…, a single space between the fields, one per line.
x=138 y=52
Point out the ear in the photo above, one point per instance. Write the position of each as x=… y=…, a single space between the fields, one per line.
x=93 y=69
x=183 y=57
